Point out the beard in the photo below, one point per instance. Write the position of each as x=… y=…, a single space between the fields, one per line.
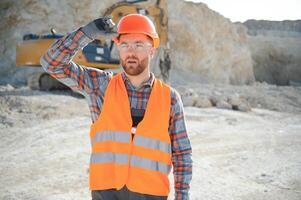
x=133 y=66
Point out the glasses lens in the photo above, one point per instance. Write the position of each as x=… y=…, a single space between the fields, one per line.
x=138 y=46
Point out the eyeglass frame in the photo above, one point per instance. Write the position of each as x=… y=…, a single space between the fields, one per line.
x=121 y=46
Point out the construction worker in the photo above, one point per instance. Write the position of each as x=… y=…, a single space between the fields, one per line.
x=138 y=130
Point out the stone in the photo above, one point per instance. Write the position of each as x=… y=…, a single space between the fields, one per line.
x=239 y=103
x=189 y=100
x=234 y=100
x=244 y=107
x=203 y=102
x=217 y=98
x=223 y=105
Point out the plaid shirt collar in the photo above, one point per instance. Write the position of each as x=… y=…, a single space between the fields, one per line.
x=147 y=83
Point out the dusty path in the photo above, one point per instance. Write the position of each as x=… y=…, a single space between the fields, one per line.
x=245 y=156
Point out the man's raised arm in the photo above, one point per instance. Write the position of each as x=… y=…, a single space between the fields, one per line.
x=57 y=61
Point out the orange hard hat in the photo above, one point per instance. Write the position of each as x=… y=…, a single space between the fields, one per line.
x=137 y=23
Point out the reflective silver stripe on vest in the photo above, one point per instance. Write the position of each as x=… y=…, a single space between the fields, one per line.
x=108 y=157
x=152 y=144
x=111 y=136
x=150 y=164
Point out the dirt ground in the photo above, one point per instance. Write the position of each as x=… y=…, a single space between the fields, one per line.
x=45 y=147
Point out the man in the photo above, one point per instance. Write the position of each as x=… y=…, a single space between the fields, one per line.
x=138 y=130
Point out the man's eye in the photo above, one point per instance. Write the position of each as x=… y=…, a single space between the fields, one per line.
x=139 y=45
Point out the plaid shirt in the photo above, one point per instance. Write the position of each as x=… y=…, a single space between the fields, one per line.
x=92 y=83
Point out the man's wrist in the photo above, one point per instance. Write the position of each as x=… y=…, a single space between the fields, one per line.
x=181 y=196
x=91 y=31
x=103 y=25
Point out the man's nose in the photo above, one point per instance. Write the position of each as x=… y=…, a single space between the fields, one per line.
x=130 y=53
x=131 y=48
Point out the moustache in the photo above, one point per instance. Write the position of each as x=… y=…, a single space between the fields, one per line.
x=131 y=58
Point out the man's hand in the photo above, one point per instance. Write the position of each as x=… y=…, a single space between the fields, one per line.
x=103 y=25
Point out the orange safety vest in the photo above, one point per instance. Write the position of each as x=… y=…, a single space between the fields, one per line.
x=142 y=163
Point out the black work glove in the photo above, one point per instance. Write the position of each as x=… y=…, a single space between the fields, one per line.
x=103 y=25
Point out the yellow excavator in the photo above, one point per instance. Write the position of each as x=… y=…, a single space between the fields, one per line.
x=98 y=53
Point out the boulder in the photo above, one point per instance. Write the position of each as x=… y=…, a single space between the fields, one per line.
x=203 y=102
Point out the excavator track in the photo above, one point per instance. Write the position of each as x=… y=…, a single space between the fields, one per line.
x=43 y=81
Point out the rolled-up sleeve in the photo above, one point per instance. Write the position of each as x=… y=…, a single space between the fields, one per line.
x=57 y=62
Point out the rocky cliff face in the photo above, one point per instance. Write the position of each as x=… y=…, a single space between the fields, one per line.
x=208 y=45
x=286 y=28
x=202 y=42
x=276 y=50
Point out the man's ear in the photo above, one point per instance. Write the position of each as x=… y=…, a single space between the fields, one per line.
x=152 y=52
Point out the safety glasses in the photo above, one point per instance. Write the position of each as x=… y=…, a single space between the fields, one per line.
x=137 y=46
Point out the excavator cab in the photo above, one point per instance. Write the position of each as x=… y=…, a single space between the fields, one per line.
x=96 y=54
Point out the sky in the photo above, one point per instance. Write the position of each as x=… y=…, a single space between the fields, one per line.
x=240 y=10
